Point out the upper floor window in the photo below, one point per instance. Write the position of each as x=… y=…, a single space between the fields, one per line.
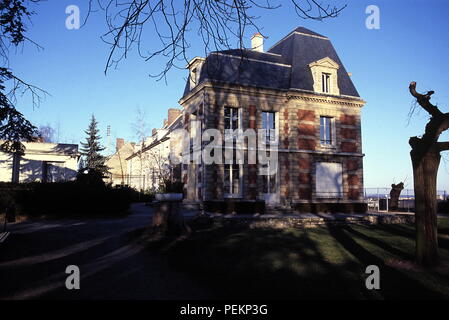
x=269 y=125
x=231 y=118
x=326 y=82
x=326 y=131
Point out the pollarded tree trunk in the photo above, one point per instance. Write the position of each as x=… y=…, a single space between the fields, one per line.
x=395 y=193
x=425 y=156
x=425 y=171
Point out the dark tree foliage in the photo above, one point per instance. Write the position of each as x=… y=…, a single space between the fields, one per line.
x=12 y=15
x=94 y=162
x=14 y=128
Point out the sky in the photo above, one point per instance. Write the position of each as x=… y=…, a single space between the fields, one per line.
x=410 y=45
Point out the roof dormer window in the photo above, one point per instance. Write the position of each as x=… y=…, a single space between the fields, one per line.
x=324 y=74
x=195 y=70
x=325 y=82
x=193 y=77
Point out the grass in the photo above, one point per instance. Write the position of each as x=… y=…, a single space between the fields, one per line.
x=321 y=263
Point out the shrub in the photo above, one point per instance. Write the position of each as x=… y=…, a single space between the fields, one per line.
x=9 y=193
x=74 y=198
x=92 y=177
x=169 y=186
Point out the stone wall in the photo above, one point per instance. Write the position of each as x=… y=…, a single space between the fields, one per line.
x=311 y=222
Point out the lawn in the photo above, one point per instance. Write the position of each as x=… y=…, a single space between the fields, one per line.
x=327 y=262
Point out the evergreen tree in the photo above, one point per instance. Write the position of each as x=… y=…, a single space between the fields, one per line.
x=93 y=160
x=14 y=128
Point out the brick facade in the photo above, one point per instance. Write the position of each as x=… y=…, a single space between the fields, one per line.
x=299 y=146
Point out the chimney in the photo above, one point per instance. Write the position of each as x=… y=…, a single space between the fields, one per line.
x=119 y=142
x=153 y=132
x=257 y=42
x=172 y=115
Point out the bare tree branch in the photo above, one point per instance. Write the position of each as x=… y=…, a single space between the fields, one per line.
x=443 y=146
x=438 y=123
x=321 y=11
x=169 y=26
x=424 y=100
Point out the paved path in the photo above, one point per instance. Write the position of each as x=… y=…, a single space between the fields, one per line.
x=34 y=257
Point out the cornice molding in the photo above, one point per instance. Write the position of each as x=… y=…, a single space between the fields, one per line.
x=327 y=100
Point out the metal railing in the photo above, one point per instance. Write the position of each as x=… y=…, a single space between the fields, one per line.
x=378 y=198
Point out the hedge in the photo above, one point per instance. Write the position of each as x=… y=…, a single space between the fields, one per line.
x=66 y=199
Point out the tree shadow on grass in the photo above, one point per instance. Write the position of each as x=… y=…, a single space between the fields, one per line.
x=402 y=231
x=381 y=244
x=268 y=264
x=394 y=284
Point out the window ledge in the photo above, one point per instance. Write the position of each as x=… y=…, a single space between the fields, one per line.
x=232 y=196
x=326 y=146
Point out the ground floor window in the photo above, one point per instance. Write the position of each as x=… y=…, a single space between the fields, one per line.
x=232 y=179
x=329 y=180
x=269 y=180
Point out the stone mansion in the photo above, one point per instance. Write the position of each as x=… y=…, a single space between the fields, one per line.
x=297 y=89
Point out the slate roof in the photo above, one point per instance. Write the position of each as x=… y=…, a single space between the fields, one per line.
x=307 y=31
x=284 y=66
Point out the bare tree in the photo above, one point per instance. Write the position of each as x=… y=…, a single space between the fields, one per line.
x=47 y=133
x=169 y=24
x=159 y=165
x=140 y=129
x=426 y=157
